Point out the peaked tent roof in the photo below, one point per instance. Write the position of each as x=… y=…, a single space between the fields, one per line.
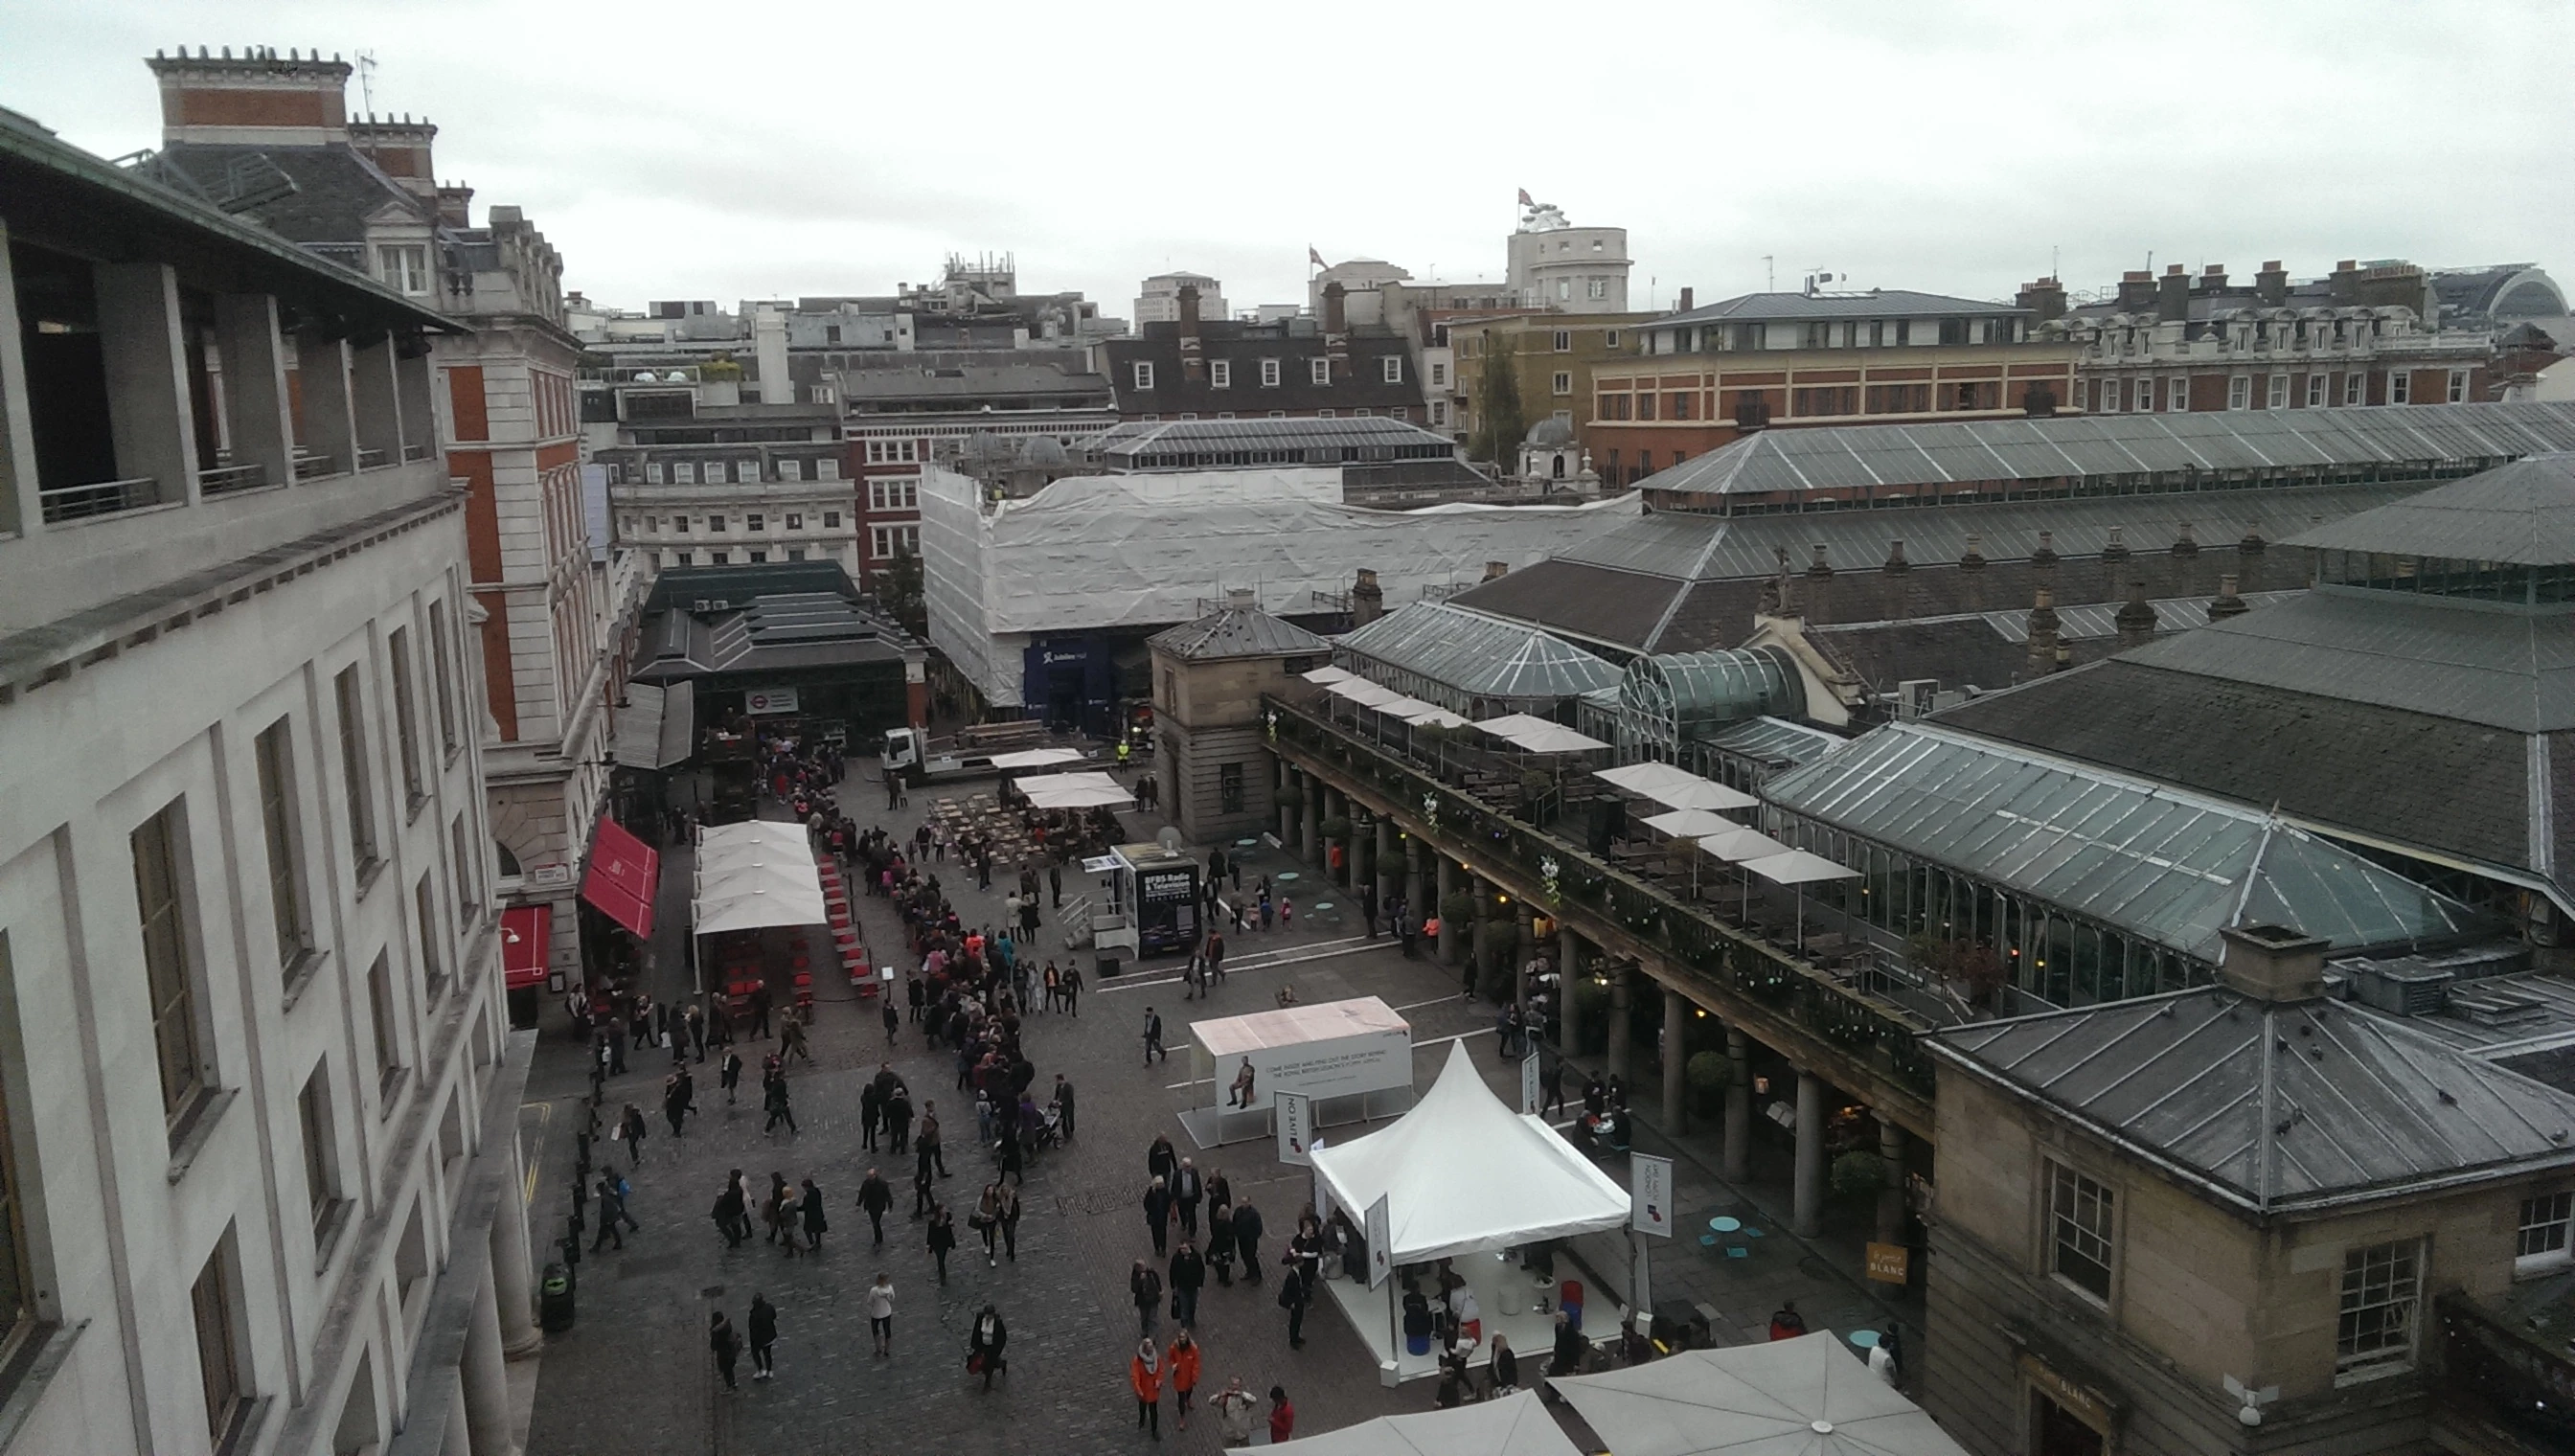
x=1515 y=1425
x=1801 y=1397
x=1461 y=1173
x=2274 y=1106
x=1236 y=632
x=2522 y=513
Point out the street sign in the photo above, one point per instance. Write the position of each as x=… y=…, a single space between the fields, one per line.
x=1529 y=1084
x=1889 y=1263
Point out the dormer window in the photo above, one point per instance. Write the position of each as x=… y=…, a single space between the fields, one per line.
x=404 y=267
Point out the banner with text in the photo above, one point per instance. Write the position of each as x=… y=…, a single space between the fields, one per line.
x=1344 y=1066
x=1529 y=1084
x=1649 y=1194
x=1295 y=1129
x=1381 y=1238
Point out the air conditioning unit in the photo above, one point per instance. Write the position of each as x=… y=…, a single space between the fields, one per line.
x=2404 y=988
x=1915 y=697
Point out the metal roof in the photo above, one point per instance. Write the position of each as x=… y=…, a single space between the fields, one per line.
x=1477 y=656
x=1772 y=739
x=2463 y=661
x=2274 y=1107
x=1877 y=302
x=1377 y=437
x=2160 y=864
x=2522 y=513
x=2095 y=620
x=1236 y=632
x=1854 y=456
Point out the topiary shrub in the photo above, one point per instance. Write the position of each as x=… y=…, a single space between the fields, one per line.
x=1858 y=1174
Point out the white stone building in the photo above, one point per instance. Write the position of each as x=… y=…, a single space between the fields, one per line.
x=1158 y=299
x=1556 y=264
x=259 y=1178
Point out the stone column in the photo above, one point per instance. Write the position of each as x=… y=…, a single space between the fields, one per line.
x=1807 y=1218
x=1524 y=950
x=1310 y=845
x=1676 y=1059
x=1287 y=813
x=375 y=396
x=1380 y=856
x=255 y=399
x=1412 y=879
x=1739 y=1106
x=456 y=1441
x=1569 y=969
x=323 y=387
x=1620 y=975
x=487 y=1385
x=21 y=508
x=512 y=1279
x=1479 y=947
x=143 y=349
x=1890 y=1199
x=1451 y=938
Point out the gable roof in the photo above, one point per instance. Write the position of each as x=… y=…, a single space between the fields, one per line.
x=1236 y=632
x=2273 y=1107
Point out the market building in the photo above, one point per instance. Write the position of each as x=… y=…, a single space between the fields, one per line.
x=1208 y=676
x=779 y=641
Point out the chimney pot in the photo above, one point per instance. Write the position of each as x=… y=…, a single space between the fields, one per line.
x=2184 y=544
x=2116 y=548
x=1820 y=567
x=2226 y=602
x=1972 y=560
x=1895 y=561
x=2045 y=555
x=2135 y=620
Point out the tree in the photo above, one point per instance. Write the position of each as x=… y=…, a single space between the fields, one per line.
x=1500 y=423
x=902 y=596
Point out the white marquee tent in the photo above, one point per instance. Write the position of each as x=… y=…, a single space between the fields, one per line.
x=752 y=876
x=1515 y=1425
x=1808 y=1396
x=1088 y=790
x=1461 y=1173
x=1036 y=757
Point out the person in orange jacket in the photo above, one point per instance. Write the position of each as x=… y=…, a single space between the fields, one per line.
x=1145 y=1374
x=1182 y=1361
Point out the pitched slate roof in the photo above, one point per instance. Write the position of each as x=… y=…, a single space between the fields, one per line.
x=1887 y=303
x=1236 y=632
x=335 y=188
x=2273 y=1107
x=2522 y=513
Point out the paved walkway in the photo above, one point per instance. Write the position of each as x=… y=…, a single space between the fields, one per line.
x=634 y=1377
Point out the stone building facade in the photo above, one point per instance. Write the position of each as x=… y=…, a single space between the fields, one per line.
x=1217 y=777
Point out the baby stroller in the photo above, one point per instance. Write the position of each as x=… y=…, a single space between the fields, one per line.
x=1050 y=1130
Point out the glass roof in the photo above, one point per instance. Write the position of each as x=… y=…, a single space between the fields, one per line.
x=2167 y=866
x=1478 y=656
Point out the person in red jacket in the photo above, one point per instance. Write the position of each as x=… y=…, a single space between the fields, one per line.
x=1145 y=1376
x=1183 y=1360
x=1283 y=1417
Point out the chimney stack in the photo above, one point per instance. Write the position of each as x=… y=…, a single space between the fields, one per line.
x=1496 y=571
x=1192 y=348
x=1972 y=560
x=1689 y=297
x=2046 y=556
x=1367 y=599
x=258 y=99
x=1188 y=299
x=2044 y=298
x=2116 y=548
x=1896 y=565
x=399 y=150
x=1820 y=567
x=456 y=205
x=2173 y=296
x=2226 y=602
x=2213 y=279
x=2042 y=633
x=2271 y=284
x=2252 y=544
x=2272 y=963
x=1336 y=308
x=2184 y=544
x=2135 y=620
x=2136 y=291
x=768 y=351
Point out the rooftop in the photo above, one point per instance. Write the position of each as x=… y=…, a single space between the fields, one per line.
x=2164 y=864
x=1475 y=655
x=1184 y=444
x=1237 y=630
x=1887 y=303
x=2522 y=514
x=2075 y=446
x=2270 y=1106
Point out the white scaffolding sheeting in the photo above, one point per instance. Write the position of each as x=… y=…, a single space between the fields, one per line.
x=1100 y=552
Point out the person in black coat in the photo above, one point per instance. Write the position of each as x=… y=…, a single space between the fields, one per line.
x=1188 y=1189
x=1160 y=1161
x=1157 y=1214
x=1294 y=1294
x=987 y=1340
x=1569 y=1348
x=731 y=1216
x=1220 y=1242
x=727 y=1346
x=1189 y=1276
x=811 y=1207
x=942 y=1237
x=1246 y=1239
x=875 y=1200
x=764 y=1336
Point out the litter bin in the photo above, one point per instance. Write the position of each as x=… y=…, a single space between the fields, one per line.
x=1107 y=967
x=554 y=1300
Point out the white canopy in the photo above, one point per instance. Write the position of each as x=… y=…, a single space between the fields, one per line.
x=1676 y=788
x=1796 y=867
x=1075 y=791
x=718 y=841
x=1803 y=1397
x=1515 y=1425
x=1463 y=1174
x=1431 y=715
x=1036 y=757
x=751 y=887
x=1329 y=675
x=1690 y=824
x=1538 y=736
x=1365 y=692
x=1735 y=847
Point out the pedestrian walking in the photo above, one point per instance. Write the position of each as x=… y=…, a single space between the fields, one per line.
x=1234 y=1409
x=1158 y=1215
x=1283 y=1417
x=1246 y=1239
x=875 y=1200
x=1145 y=1376
x=1007 y=1213
x=677 y=1101
x=629 y=1130
x=986 y=1220
x=881 y=1313
x=728 y=1214
x=764 y=1338
x=871 y=1114
x=773 y=1097
x=1220 y=1242
x=926 y=1141
x=1506 y=1368
x=696 y=1021
x=1073 y=992
x=728 y=1070
x=1055 y=883
x=1188 y=1189
x=727 y=1346
x=1162 y=1160
x=791 y=1037
x=1062 y=1102
x=1189 y=1276
x=810 y=1208
x=1154 y=1038
x=1182 y=1361
x=985 y=1344
x=1144 y=1289
x=611 y=1212
x=942 y=1237
x=760 y=1011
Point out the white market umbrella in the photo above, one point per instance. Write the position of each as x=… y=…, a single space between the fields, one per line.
x=1327 y=675
x=1512 y=1425
x=1735 y=847
x=1690 y=824
x=1036 y=757
x=1803 y=1397
x=1426 y=715
x=1538 y=736
x=1675 y=788
x=1075 y=791
x=1797 y=867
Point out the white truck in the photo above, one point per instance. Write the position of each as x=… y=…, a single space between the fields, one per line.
x=918 y=759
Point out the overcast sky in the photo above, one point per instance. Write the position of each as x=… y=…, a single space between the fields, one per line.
x=761 y=149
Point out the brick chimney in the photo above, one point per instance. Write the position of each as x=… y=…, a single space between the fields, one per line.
x=2226 y=602
x=2173 y=296
x=1896 y=565
x=1367 y=599
x=262 y=97
x=1192 y=348
x=2213 y=279
x=1336 y=333
x=2116 y=548
x=2136 y=291
x=2184 y=544
x=456 y=205
x=2046 y=556
x=2252 y=544
x=2271 y=284
x=2343 y=286
x=2135 y=620
x=1690 y=300
x=1337 y=318
x=1972 y=560
x=2042 y=633
x=2044 y=298
x=1496 y=571
x=2273 y=962
x=400 y=149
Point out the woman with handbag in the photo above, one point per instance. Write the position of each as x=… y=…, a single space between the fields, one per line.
x=1006 y=1212
x=985 y=1344
x=986 y=1220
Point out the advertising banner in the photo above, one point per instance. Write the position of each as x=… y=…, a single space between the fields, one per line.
x=1295 y=1129
x=760 y=701
x=1344 y=1066
x=1529 y=1084
x=1380 y=1239
x=1649 y=1194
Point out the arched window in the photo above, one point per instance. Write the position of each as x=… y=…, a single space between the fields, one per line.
x=509 y=862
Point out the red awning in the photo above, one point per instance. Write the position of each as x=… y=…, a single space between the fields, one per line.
x=623 y=873
x=526 y=933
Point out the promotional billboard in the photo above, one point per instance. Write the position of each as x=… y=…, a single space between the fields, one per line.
x=1295 y=1129
x=1649 y=1194
x=1343 y=1067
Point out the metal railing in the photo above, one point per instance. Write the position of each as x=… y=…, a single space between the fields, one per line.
x=100 y=498
x=223 y=480
x=312 y=463
x=1683 y=931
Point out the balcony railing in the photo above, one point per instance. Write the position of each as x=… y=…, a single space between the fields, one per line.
x=224 y=480
x=312 y=463
x=101 y=498
x=1684 y=933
